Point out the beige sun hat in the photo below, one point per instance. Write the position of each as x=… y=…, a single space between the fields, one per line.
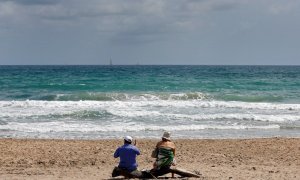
x=166 y=135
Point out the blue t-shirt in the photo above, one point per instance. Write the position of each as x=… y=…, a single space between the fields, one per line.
x=127 y=154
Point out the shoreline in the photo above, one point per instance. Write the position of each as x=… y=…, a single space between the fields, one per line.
x=253 y=158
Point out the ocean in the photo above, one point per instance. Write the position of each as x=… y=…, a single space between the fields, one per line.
x=100 y=102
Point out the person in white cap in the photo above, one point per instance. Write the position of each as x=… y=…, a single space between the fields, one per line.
x=127 y=154
x=164 y=153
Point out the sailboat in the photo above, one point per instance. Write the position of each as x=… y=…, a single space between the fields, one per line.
x=110 y=62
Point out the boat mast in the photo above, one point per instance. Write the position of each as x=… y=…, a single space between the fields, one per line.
x=110 y=62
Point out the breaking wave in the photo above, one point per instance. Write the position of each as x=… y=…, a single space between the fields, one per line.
x=155 y=103
x=45 y=127
x=124 y=96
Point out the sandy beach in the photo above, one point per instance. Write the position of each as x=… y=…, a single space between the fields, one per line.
x=270 y=158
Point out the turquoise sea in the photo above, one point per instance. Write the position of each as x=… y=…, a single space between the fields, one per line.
x=92 y=102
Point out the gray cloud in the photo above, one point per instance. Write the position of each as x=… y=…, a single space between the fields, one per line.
x=118 y=11
x=192 y=27
x=124 y=20
x=32 y=2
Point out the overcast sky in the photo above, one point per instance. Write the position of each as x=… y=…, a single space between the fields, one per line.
x=230 y=32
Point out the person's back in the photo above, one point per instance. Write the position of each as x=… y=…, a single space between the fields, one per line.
x=164 y=153
x=167 y=144
x=127 y=165
x=127 y=154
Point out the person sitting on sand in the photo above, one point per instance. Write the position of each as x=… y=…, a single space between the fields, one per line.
x=127 y=154
x=164 y=153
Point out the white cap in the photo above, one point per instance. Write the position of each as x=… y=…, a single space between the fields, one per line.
x=128 y=138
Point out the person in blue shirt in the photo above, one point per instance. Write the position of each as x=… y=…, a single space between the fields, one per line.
x=127 y=154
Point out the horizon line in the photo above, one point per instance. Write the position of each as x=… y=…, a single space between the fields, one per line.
x=150 y=65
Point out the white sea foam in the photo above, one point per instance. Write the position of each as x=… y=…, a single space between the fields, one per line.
x=75 y=118
x=187 y=110
x=162 y=103
x=52 y=127
x=234 y=116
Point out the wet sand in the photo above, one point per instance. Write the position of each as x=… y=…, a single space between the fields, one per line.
x=270 y=158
